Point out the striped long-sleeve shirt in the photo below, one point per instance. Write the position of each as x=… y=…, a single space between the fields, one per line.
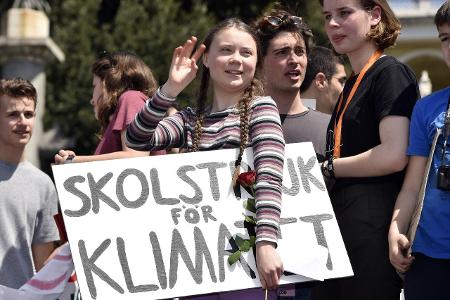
x=221 y=130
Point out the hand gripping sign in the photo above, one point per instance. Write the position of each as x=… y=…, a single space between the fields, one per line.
x=165 y=226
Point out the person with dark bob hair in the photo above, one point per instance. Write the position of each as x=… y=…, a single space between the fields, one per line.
x=385 y=33
x=366 y=145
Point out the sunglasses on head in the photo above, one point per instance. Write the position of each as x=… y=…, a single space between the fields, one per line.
x=278 y=21
x=275 y=22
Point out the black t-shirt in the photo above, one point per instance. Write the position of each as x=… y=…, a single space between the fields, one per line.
x=388 y=88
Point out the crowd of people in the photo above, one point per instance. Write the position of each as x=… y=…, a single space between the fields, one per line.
x=382 y=150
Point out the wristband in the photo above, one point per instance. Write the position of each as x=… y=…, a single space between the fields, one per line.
x=330 y=167
x=163 y=95
x=324 y=169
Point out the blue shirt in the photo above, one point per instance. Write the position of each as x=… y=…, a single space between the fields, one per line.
x=433 y=233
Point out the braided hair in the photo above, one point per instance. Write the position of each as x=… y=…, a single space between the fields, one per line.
x=253 y=90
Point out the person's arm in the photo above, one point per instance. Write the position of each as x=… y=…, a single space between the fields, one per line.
x=403 y=211
x=148 y=130
x=151 y=130
x=419 y=149
x=45 y=231
x=386 y=158
x=40 y=253
x=268 y=153
x=126 y=152
x=394 y=93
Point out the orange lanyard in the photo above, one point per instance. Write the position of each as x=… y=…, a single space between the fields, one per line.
x=338 y=122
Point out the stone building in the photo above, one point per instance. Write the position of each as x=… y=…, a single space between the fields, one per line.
x=26 y=47
x=418 y=45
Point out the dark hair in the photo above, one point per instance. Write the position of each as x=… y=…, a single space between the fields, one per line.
x=320 y=59
x=119 y=72
x=18 y=87
x=385 y=33
x=266 y=32
x=252 y=91
x=442 y=16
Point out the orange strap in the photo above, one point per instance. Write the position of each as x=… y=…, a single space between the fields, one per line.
x=338 y=121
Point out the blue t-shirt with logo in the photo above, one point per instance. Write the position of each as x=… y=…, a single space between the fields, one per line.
x=433 y=233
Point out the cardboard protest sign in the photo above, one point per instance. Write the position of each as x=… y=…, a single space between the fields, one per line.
x=164 y=226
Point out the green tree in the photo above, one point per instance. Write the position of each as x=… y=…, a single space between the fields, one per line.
x=151 y=29
x=69 y=84
x=309 y=10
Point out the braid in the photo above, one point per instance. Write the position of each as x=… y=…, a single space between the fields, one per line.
x=200 y=112
x=197 y=132
x=244 y=113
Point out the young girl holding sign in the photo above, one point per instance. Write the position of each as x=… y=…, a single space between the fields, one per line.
x=366 y=143
x=236 y=117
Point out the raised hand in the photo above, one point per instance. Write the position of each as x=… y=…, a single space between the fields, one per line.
x=183 y=68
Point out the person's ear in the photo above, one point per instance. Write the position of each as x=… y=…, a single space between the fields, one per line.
x=205 y=59
x=320 y=80
x=375 y=15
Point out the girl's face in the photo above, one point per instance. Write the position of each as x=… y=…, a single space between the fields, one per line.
x=97 y=90
x=347 y=24
x=231 y=60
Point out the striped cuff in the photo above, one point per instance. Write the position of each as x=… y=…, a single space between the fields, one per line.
x=164 y=96
x=267 y=234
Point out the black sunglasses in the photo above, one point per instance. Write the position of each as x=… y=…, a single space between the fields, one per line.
x=275 y=22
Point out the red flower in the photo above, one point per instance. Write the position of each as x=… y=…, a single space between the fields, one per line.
x=247 y=179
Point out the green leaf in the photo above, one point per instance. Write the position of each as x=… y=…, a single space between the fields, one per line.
x=249 y=205
x=250 y=219
x=248 y=244
x=233 y=258
x=245 y=246
x=239 y=240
